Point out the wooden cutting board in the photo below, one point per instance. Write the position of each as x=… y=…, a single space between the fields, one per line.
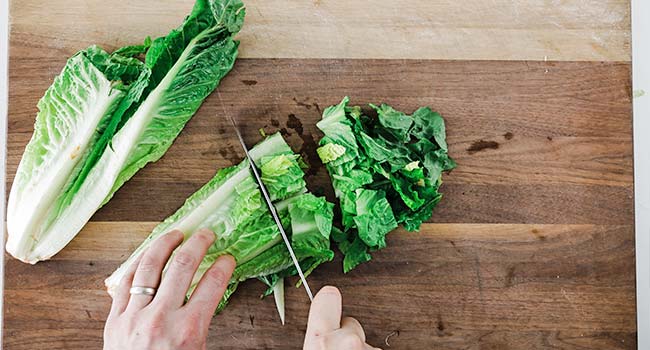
x=533 y=244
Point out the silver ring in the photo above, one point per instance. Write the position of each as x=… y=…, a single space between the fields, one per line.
x=137 y=290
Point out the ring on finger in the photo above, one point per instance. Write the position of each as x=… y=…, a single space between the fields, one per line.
x=139 y=290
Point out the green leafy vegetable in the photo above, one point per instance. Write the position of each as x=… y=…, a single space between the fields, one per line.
x=385 y=171
x=74 y=116
x=231 y=205
x=108 y=115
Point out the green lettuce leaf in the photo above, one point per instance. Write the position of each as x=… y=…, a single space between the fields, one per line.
x=374 y=218
x=194 y=58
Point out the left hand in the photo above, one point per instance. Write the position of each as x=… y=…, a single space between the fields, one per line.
x=165 y=321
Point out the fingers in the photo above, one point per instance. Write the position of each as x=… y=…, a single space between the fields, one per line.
x=121 y=296
x=150 y=268
x=350 y=336
x=326 y=329
x=213 y=284
x=346 y=338
x=325 y=312
x=182 y=267
x=353 y=326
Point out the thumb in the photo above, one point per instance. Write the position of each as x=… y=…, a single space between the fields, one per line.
x=325 y=312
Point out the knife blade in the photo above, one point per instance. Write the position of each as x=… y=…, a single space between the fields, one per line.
x=272 y=209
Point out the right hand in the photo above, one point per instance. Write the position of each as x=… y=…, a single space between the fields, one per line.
x=326 y=330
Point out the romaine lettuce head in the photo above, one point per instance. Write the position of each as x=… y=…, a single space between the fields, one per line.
x=107 y=116
x=75 y=116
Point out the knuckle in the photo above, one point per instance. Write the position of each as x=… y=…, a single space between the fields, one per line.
x=154 y=331
x=148 y=264
x=157 y=319
x=184 y=259
x=189 y=333
x=217 y=277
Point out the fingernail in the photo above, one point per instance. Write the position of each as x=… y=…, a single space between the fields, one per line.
x=330 y=290
x=228 y=259
x=209 y=235
x=207 y=232
x=226 y=262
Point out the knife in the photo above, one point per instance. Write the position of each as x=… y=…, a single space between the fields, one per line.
x=274 y=212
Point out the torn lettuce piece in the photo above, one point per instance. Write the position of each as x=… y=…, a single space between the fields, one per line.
x=385 y=170
x=278 y=295
x=374 y=218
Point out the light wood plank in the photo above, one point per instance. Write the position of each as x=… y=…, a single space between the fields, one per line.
x=587 y=30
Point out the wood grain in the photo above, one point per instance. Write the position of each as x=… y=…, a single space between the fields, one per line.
x=451 y=286
x=560 y=149
x=585 y=30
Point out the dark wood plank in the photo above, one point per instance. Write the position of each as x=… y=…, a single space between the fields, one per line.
x=479 y=98
x=468 y=203
x=536 y=142
x=451 y=286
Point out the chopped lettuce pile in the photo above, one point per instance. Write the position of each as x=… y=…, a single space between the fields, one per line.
x=385 y=171
x=232 y=206
x=108 y=115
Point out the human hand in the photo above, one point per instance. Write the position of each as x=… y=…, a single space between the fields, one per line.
x=325 y=328
x=165 y=321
